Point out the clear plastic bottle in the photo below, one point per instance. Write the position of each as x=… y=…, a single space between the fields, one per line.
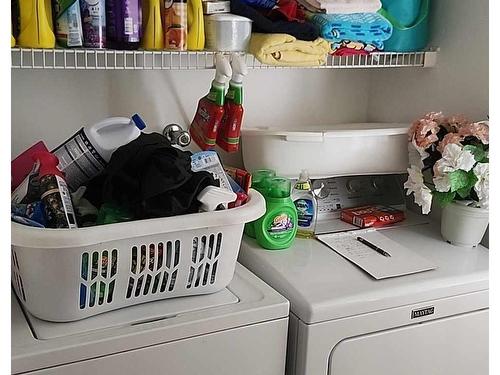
x=306 y=204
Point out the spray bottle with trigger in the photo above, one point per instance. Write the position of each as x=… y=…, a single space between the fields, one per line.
x=228 y=137
x=210 y=109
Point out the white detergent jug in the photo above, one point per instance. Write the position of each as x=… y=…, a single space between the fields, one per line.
x=85 y=154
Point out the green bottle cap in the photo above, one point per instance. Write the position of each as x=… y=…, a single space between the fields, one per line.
x=260 y=179
x=279 y=187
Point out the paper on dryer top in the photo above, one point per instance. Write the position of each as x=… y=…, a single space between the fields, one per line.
x=402 y=261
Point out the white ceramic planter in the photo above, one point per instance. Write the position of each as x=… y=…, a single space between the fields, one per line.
x=462 y=225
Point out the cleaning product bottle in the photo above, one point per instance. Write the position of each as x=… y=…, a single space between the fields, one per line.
x=195 y=26
x=152 y=38
x=54 y=192
x=85 y=154
x=123 y=23
x=278 y=227
x=306 y=204
x=94 y=23
x=228 y=137
x=36 y=24
x=68 y=23
x=260 y=182
x=176 y=24
x=210 y=109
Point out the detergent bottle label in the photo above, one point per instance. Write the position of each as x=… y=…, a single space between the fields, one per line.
x=305 y=212
x=280 y=226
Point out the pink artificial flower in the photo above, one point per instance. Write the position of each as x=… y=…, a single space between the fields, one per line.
x=436 y=117
x=455 y=122
x=449 y=138
x=424 y=132
x=480 y=130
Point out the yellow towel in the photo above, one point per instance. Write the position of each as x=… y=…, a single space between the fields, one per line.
x=286 y=50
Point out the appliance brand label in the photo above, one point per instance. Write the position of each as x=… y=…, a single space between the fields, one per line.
x=422 y=312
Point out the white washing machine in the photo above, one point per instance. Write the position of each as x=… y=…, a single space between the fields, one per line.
x=345 y=322
x=240 y=330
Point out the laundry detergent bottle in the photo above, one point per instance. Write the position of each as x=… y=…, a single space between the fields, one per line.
x=210 y=109
x=277 y=228
x=35 y=18
x=152 y=26
x=195 y=26
x=85 y=154
x=260 y=182
x=228 y=137
x=306 y=205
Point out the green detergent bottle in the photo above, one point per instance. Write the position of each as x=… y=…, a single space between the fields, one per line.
x=260 y=182
x=278 y=227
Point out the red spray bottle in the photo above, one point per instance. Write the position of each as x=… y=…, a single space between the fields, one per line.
x=228 y=137
x=210 y=109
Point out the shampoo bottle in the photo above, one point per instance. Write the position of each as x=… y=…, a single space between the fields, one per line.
x=277 y=228
x=210 y=109
x=54 y=192
x=306 y=204
x=35 y=18
x=228 y=137
x=152 y=27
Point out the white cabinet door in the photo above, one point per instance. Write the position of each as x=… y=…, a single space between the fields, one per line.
x=456 y=345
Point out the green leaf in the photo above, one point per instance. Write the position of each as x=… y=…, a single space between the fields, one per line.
x=478 y=152
x=467 y=180
x=444 y=198
x=464 y=193
x=458 y=180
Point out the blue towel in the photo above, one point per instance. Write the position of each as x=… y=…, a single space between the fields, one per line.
x=369 y=28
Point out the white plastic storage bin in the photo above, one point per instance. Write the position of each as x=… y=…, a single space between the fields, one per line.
x=69 y=274
x=339 y=150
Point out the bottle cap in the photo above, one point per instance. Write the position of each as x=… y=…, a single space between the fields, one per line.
x=137 y=120
x=223 y=69
x=48 y=164
x=260 y=179
x=279 y=187
x=304 y=175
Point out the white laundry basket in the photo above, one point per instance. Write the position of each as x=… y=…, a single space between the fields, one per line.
x=69 y=274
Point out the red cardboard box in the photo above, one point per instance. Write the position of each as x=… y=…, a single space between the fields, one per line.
x=372 y=216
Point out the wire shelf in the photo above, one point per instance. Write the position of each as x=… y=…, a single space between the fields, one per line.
x=95 y=59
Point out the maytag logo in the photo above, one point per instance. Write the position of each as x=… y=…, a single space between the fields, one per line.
x=422 y=312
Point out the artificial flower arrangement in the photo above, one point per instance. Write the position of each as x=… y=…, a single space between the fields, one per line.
x=455 y=152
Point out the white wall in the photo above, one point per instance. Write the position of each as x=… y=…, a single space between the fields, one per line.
x=459 y=82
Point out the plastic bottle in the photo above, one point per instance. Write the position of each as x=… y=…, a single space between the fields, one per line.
x=36 y=24
x=123 y=23
x=152 y=38
x=68 y=23
x=277 y=228
x=306 y=204
x=54 y=192
x=260 y=182
x=94 y=23
x=176 y=24
x=85 y=154
x=210 y=109
x=228 y=137
x=195 y=26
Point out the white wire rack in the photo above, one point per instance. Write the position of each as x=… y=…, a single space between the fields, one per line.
x=92 y=59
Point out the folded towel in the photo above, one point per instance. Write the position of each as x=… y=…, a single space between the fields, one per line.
x=263 y=24
x=345 y=6
x=285 y=50
x=370 y=28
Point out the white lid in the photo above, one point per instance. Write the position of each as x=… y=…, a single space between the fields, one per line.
x=227 y=17
x=335 y=130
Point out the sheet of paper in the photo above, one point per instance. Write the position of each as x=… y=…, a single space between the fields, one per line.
x=402 y=261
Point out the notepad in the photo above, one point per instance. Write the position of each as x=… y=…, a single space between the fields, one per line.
x=402 y=261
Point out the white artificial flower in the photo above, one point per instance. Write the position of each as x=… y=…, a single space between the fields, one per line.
x=416 y=155
x=442 y=183
x=482 y=186
x=454 y=158
x=415 y=184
